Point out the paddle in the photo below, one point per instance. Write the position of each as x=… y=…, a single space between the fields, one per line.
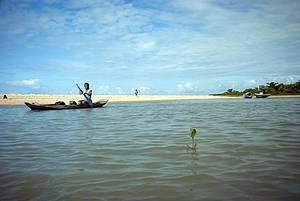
x=91 y=105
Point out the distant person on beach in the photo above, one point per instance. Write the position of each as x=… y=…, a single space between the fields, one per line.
x=136 y=92
x=87 y=94
x=4 y=97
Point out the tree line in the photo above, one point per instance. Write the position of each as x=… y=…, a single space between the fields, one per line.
x=273 y=88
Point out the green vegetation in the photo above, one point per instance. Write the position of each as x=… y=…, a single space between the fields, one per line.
x=193 y=133
x=272 y=88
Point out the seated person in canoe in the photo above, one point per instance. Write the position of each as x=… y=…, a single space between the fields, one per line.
x=87 y=94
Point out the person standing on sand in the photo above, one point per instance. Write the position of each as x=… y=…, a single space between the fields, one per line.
x=136 y=92
x=87 y=94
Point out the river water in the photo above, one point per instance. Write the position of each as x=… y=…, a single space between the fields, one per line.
x=246 y=150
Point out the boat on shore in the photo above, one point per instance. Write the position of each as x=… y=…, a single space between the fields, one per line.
x=248 y=95
x=36 y=106
x=262 y=95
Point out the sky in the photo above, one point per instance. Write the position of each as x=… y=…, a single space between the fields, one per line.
x=159 y=46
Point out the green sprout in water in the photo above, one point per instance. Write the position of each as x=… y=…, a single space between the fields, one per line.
x=193 y=133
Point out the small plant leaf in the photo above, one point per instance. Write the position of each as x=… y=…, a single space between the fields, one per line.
x=193 y=132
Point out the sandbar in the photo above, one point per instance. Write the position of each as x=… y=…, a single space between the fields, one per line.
x=19 y=99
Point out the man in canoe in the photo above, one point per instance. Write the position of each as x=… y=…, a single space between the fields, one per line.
x=87 y=94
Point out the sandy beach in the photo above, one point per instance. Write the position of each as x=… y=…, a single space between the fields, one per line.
x=19 y=99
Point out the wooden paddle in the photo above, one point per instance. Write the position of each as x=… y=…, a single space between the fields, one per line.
x=79 y=89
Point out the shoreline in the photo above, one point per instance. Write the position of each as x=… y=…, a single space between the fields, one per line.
x=19 y=99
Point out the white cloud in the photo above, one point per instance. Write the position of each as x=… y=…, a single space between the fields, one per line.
x=188 y=85
x=180 y=86
x=145 y=45
x=104 y=87
x=141 y=89
x=186 y=40
x=119 y=90
x=29 y=82
x=33 y=83
x=185 y=86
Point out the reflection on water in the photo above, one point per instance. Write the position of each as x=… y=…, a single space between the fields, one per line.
x=246 y=150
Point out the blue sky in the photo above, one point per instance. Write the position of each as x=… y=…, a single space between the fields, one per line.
x=159 y=46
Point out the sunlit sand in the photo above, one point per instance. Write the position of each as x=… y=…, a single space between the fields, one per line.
x=19 y=99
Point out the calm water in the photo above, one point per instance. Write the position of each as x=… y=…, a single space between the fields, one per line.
x=247 y=150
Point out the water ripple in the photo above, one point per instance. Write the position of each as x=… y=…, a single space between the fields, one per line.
x=247 y=150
